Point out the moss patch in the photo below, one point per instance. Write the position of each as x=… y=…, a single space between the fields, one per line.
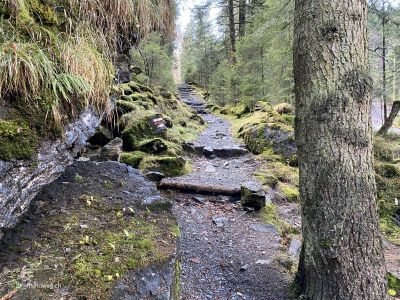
x=17 y=140
x=133 y=158
x=92 y=245
x=393 y=285
x=270 y=215
x=168 y=165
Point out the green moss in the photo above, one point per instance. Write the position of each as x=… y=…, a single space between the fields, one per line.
x=271 y=216
x=284 y=108
x=17 y=140
x=113 y=242
x=290 y=193
x=177 y=279
x=393 y=284
x=126 y=106
x=168 y=165
x=43 y=13
x=284 y=172
x=133 y=158
x=267 y=179
x=387 y=170
x=390 y=229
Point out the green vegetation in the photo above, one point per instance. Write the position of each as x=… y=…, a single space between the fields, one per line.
x=387 y=155
x=270 y=215
x=393 y=284
x=92 y=245
x=17 y=140
x=56 y=56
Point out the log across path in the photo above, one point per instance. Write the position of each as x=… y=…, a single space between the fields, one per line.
x=226 y=252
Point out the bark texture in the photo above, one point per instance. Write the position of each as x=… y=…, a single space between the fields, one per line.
x=342 y=255
x=389 y=121
x=232 y=29
x=242 y=17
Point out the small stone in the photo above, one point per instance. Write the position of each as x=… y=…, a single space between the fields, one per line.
x=199 y=200
x=267 y=228
x=210 y=169
x=152 y=199
x=155 y=176
x=285 y=261
x=220 y=221
x=263 y=262
x=244 y=268
x=294 y=248
x=208 y=151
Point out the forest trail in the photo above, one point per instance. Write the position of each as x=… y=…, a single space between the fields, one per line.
x=226 y=253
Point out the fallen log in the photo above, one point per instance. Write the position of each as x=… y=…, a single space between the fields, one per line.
x=198 y=188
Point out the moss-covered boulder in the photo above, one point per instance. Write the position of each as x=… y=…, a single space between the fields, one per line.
x=267 y=129
x=133 y=158
x=168 y=165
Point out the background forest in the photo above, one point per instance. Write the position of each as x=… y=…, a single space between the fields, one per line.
x=250 y=56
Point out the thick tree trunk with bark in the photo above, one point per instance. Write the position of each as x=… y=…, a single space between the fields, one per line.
x=342 y=255
x=389 y=121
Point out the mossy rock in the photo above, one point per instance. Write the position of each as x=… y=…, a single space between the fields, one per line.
x=387 y=170
x=133 y=158
x=17 y=140
x=284 y=108
x=168 y=165
x=139 y=127
x=290 y=193
x=153 y=146
x=126 y=106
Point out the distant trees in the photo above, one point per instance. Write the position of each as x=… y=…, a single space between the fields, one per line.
x=384 y=24
x=249 y=58
x=342 y=254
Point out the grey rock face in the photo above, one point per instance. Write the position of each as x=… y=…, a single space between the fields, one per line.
x=155 y=282
x=20 y=181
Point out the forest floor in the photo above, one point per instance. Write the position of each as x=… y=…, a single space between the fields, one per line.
x=226 y=252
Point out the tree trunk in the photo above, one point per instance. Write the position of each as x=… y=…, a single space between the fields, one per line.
x=232 y=30
x=342 y=255
x=384 y=92
x=242 y=18
x=389 y=121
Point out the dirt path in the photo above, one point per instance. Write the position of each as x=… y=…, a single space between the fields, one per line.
x=226 y=253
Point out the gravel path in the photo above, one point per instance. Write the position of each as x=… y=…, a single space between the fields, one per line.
x=226 y=253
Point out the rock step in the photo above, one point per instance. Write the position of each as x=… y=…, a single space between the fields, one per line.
x=223 y=152
x=199 y=188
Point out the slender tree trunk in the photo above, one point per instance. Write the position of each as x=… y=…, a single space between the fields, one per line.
x=242 y=18
x=342 y=255
x=389 y=121
x=384 y=92
x=232 y=30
